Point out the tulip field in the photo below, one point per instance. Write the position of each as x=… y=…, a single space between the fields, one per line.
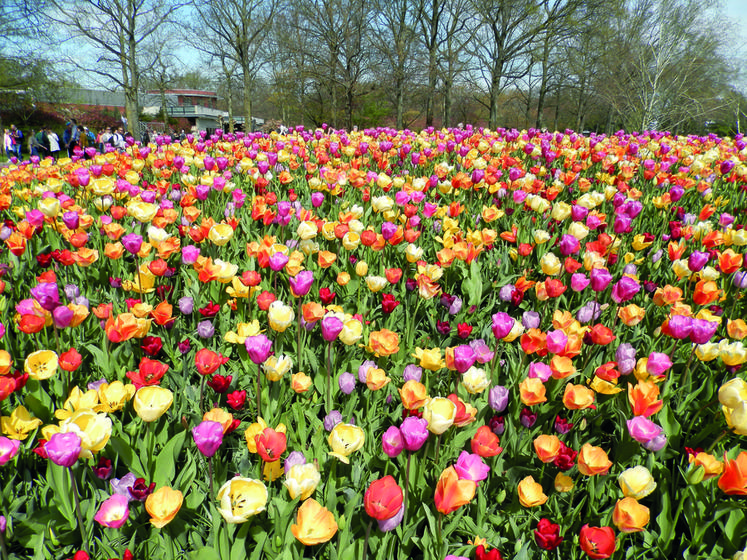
x=376 y=344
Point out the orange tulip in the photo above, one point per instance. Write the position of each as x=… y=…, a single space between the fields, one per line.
x=593 y=460
x=547 y=447
x=601 y=335
x=30 y=323
x=383 y=343
x=729 y=261
x=453 y=493
x=113 y=251
x=534 y=340
x=123 y=327
x=312 y=311
x=578 y=397
x=711 y=466
x=314 y=524
x=485 y=443
x=162 y=314
x=413 y=394
x=531 y=493
x=562 y=367
x=532 y=391
x=733 y=481
x=706 y=292
x=644 y=398
x=629 y=516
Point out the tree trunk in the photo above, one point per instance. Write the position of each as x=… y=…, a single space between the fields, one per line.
x=447 y=103
x=230 y=108
x=539 y=121
x=132 y=106
x=432 y=65
x=247 y=98
x=399 y=102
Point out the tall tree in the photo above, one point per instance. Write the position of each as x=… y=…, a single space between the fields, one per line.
x=395 y=42
x=235 y=30
x=117 y=30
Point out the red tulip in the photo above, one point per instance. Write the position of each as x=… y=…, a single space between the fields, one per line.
x=383 y=499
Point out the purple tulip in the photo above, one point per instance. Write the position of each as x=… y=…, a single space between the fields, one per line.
x=625 y=357
x=278 y=261
x=62 y=316
x=258 y=347
x=363 y=370
x=414 y=432
x=388 y=229
x=71 y=220
x=568 y=245
x=680 y=326
x=578 y=213
x=625 y=289
x=332 y=419
x=346 y=382
x=208 y=436
x=132 y=243
x=531 y=319
x=498 y=398
x=702 y=331
x=540 y=371
x=205 y=329
x=63 y=448
x=579 y=281
x=483 y=353
x=464 y=357
x=393 y=522
x=472 y=467
x=556 y=341
x=527 y=417
x=392 y=442
x=47 y=294
x=697 y=260
x=301 y=283
x=190 y=253
x=658 y=364
x=600 y=279
x=294 y=458
x=186 y=305
x=412 y=372
x=8 y=449
x=331 y=327
x=644 y=431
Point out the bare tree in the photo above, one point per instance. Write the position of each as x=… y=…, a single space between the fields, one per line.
x=337 y=51
x=395 y=42
x=234 y=30
x=117 y=30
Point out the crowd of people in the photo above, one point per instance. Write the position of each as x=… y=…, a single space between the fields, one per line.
x=46 y=142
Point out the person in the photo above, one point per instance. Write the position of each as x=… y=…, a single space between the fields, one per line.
x=74 y=138
x=182 y=136
x=117 y=139
x=146 y=137
x=67 y=136
x=54 y=143
x=34 y=146
x=17 y=140
x=82 y=137
x=105 y=139
x=7 y=144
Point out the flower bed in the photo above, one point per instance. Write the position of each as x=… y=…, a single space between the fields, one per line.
x=378 y=344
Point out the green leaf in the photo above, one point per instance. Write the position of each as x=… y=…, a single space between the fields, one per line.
x=166 y=461
x=126 y=454
x=472 y=287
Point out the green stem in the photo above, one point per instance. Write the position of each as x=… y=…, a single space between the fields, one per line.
x=407 y=488
x=3 y=548
x=718 y=439
x=365 y=540
x=76 y=495
x=259 y=391
x=210 y=477
x=299 y=352
x=440 y=535
x=328 y=399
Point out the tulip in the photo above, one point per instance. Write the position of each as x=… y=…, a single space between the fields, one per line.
x=648 y=434
x=151 y=402
x=593 y=461
x=331 y=327
x=301 y=283
x=502 y=325
x=258 y=347
x=547 y=447
x=63 y=449
x=547 y=535
x=498 y=398
x=597 y=542
x=392 y=442
x=8 y=449
x=208 y=436
x=241 y=498
x=301 y=480
x=345 y=439
x=113 y=512
x=383 y=499
x=163 y=505
x=314 y=524
x=453 y=492
x=470 y=466
x=600 y=279
x=485 y=443
x=414 y=432
x=440 y=414
x=629 y=516
x=531 y=493
x=636 y=482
